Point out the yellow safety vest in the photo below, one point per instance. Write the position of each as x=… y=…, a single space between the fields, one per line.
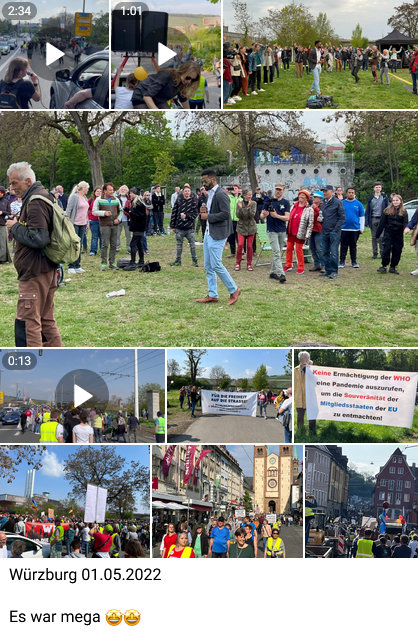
x=364 y=548
x=98 y=422
x=161 y=426
x=200 y=93
x=47 y=416
x=276 y=525
x=275 y=547
x=187 y=551
x=61 y=534
x=309 y=512
x=48 y=432
x=112 y=548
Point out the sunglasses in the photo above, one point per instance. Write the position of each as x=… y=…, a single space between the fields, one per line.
x=190 y=78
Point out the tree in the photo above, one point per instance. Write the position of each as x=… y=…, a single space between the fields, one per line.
x=243 y=383
x=192 y=362
x=12 y=456
x=200 y=150
x=323 y=28
x=217 y=373
x=225 y=382
x=164 y=167
x=293 y=23
x=358 y=41
x=100 y=29
x=104 y=467
x=260 y=378
x=173 y=367
x=248 y=503
x=406 y=19
x=243 y=20
x=288 y=366
x=274 y=132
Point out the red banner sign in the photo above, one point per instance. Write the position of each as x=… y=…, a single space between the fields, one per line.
x=39 y=530
x=203 y=453
x=188 y=467
x=168 y=458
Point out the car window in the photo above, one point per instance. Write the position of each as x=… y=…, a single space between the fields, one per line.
x=88 y=72
x=29 y=545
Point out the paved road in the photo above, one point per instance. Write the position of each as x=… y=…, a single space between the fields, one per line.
x=228 y=429
x=13 y=434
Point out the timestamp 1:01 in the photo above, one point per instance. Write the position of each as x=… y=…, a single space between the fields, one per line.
x=119 y=574
x=131 y=10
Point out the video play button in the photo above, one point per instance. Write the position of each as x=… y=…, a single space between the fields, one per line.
x=80 y=395
x=52 y=54
x=82 y=388
x=164 y=54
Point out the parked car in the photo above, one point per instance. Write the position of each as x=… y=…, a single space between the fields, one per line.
x=33 y=548
x=411 y=207
x=92 y=73
x=12 y=43
x=4 y=47
x=12 y=417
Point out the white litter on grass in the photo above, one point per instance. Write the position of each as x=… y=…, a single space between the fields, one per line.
x=114 y=294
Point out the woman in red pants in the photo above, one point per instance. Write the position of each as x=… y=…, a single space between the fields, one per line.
x=299 y=229
x=246 y=228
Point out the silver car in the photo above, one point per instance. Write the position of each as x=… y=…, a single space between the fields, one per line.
x=411 y=207
x=92 y=73
x=33 y=548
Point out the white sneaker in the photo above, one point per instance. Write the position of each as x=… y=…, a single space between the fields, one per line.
x=263 y=90
x=414 y=273
x=80 y=270
x=237 y=98
x=254 y=93
x=230 y=101
x=72 y=271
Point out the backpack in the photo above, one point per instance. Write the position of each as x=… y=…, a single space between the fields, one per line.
x=64 y=245
x=150 y=267
x=8 y=95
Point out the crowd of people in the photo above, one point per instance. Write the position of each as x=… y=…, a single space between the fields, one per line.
x=86 y=426
x=70 y=537
x=247 y=70
x=327 y=220
x=220 y=537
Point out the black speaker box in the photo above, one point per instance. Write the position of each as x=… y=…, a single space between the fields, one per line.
x=153 y=30
x=126 y=31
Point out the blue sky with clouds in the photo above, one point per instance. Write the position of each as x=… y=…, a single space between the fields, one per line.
x=51 y=476
x=244 y=455
x=41 y=382
x=372 y=15
x=238 y=363
x=368 y=458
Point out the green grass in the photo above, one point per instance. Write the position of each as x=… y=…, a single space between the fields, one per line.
x=360 y=307
x=289 y=92
x=332 y=431
x=179 y=419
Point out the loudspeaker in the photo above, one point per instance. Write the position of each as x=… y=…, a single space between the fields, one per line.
x=153 y=30
x=126 y=31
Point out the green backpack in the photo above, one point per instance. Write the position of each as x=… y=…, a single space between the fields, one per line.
x=65 y=243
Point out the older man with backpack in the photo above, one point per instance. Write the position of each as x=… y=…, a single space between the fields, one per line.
x=44 y=238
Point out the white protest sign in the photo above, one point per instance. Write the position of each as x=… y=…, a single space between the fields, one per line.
x=271 y=518
x=95 y=509
x=240 y=513
x=361 y=395
x=225 y=402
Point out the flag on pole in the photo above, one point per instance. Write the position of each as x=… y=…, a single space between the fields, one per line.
x=70 y=511
x=34 y=505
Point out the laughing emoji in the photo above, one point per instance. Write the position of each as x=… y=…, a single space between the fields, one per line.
x=132 y=617
x=114 y=617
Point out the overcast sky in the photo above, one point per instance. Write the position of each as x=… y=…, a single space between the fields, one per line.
x=367 y=458
x=372 y=15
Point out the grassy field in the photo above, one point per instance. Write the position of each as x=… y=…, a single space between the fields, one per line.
x=359 y=308
x=289 y=92
x=331 y=431
x=178 y=419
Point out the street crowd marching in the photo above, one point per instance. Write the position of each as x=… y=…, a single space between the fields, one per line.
x=328 y=221
x=219 y=537
x=246 y=69
x=84 y=426
x=70 y=537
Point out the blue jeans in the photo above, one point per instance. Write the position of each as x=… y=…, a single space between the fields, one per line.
x=80 y=230
x=95 y=236
x=414 y=77
x=212 y=254
x=329 y=246
x=193 y=407
x=315 y=84
x=287 y=435
x=226 y=90
x=85 y=548
x=315 y=247
x=144 y=242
